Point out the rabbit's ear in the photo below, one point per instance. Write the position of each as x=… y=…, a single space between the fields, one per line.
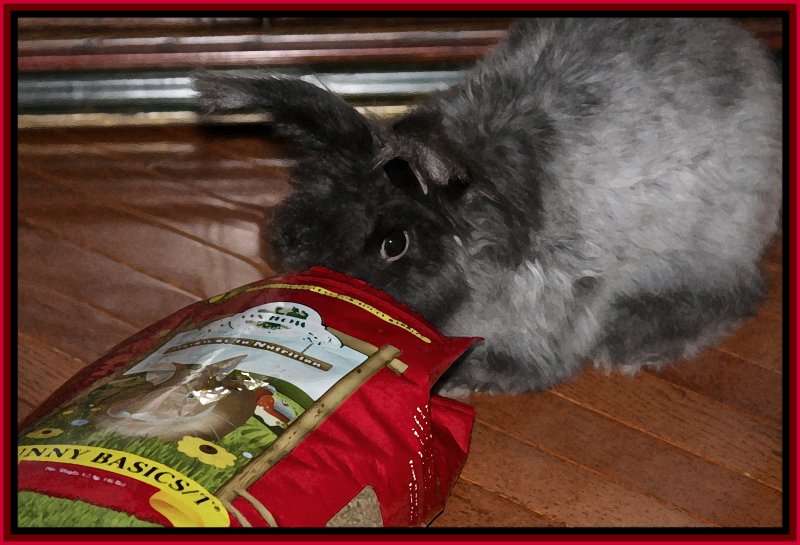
x=419 y=150
x=313 y=117
x=405 y=176
x=222 y=368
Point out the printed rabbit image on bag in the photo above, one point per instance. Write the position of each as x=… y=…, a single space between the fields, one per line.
x=595 y=190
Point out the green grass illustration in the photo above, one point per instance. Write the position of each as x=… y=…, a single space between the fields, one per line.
x=74 y=425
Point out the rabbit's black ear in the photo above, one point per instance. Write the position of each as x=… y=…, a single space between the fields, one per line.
x=419 y=150
x=403 y=175
x=313 y=117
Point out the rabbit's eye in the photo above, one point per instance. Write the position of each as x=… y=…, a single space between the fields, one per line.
x=394 y=246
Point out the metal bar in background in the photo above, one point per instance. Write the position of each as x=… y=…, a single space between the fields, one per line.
x=160 y=91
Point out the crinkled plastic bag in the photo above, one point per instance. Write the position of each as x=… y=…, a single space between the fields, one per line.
x=300 y=400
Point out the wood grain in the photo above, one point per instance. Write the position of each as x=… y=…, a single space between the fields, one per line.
x=46 y=369
x=472 y=506
x=230 y=229
x=552 y=486
x=759 y=341
x=733 y=381
x=67 y=324
x=99 y=281
x=126 y=237
x=773 y=305
x=680 y=417
x=24 y=408
x=625 y=455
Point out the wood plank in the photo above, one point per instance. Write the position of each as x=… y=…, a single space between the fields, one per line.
x=227 y=227
x=68 y=325
x=239 y=165
x=42 y=369
x=772 y=268
x=680 y=417
x=23 y=409
x=138 y=190
x=252 y=183
x=100 y=281
x=637 y=460
x=733 y=381
x=151 y=249
x=566 y=491
x=471 y=506
x=773 y=304
x=251 y=173
x=758 y=341
x=774 y=253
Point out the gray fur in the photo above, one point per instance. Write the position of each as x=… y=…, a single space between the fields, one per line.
x=596 y=189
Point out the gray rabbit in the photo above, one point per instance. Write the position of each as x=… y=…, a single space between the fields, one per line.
x=594 y=190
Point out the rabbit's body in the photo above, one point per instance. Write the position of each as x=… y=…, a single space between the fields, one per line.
x=660 y=190
x=597 y=189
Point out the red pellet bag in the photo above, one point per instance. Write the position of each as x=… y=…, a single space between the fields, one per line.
x=300 y=401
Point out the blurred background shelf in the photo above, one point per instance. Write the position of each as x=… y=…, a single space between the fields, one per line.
x=124 y=66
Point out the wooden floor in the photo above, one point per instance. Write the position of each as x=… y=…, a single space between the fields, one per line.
x=118 y=228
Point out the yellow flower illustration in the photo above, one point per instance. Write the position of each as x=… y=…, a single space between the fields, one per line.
x=44 y=433
x=206 y=452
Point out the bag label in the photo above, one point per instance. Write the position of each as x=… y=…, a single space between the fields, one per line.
x=189 y=415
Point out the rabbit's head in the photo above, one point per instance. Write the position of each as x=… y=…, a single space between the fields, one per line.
x=394 y=204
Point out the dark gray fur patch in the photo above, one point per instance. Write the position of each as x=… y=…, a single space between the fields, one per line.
x=707 y=60
x=501 y=369
x=655 y=328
